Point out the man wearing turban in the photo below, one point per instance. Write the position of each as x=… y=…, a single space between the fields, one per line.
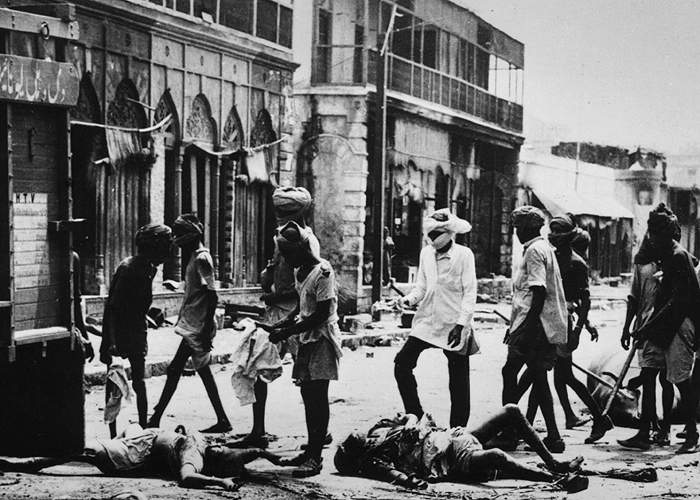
x=124 y=321
x=574 y=274
x=280 y=295
x=671 y=327
x=538 y=322
x=445 y=292
x=195 y=324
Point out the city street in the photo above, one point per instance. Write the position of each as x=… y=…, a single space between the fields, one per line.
x=365 y=393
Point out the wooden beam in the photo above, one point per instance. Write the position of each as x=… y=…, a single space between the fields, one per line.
x=16 y=20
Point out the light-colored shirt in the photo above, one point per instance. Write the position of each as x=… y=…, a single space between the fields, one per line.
x=539 y=268
x=446 y=290
x=318 y=286
x=199 y=277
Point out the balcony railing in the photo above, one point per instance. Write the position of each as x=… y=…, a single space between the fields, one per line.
x=435 y=86
x=352 y=65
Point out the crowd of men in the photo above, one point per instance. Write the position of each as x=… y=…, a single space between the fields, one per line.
x=550 y=305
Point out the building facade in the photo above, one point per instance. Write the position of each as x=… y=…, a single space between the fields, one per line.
x=199 y=91
x=454 y=123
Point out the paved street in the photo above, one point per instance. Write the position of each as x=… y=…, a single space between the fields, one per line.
x=365 y=393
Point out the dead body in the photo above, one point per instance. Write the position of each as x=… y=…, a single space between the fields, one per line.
x=409 y=452
x=185 y=457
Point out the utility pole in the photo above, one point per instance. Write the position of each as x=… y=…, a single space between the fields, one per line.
x=377 y=177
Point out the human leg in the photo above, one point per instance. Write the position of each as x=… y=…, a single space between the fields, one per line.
x=222 y=423
x=504 y=466
x=641 y=439
x=543 y=394
x=510 y=371
x=404 y=364
x=174 y=372
x=458 y=369
x=138 y=372
x=315 y=396
x=260 y=389
x=688 y=407
x=562 y=377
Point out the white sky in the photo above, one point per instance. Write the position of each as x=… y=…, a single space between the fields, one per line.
x=618 y=72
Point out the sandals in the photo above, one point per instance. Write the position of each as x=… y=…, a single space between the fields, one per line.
x=294 y=462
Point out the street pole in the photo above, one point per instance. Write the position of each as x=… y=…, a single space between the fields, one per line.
x=377 y=177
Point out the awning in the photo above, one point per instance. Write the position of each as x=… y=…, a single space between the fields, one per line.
x=564 y=201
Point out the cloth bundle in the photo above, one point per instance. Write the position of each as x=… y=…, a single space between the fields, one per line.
x=117 y=387
x=255 y=357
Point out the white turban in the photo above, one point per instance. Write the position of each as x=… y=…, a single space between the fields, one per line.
x=445 y=221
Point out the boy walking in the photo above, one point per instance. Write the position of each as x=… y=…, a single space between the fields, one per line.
x=196 y=322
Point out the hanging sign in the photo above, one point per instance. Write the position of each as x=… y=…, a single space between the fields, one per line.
x=26 y=79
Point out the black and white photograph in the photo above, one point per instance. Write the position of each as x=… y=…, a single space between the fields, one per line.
x=349 y=249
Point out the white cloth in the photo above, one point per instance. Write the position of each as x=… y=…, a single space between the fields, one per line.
x=446 y=291
x=255 y=357
x=539 y=268
x=118 y=387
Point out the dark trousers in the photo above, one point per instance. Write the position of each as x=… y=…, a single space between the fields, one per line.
x=458 y=368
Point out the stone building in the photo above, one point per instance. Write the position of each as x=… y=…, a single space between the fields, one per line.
x=454 y=94
x=196 y=86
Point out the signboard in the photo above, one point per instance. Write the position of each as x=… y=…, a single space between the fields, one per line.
x=25 y=79
x=30 y=232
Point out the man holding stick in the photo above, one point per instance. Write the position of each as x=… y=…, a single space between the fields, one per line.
x=671 y=328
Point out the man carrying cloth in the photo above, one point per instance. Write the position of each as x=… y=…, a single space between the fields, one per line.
x=124 y=324
x=196 y=321
x=539 y=322
x=676 y=305
x=446 y=293
x=280 y=297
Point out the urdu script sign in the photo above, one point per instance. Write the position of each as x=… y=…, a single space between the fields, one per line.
x=25 y=79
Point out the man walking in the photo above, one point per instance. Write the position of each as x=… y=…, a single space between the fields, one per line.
x=196 y=322
x=538 y=322
x=446 y=293
x=124 y=323
x=672 y=325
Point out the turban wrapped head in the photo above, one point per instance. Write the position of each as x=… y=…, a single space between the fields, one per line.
x=562 y=230
x=445 y=221
x=153 y=240
x=527 y=216
x=187 y=230
x=663 y=222
x=581 y=241
x=292 y=236
x=291 y=202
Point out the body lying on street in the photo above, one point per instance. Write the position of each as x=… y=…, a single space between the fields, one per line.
x=189 y=458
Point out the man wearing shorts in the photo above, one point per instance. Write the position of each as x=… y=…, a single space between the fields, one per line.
x=538 y=322
x=186 y=457
x=195 y=323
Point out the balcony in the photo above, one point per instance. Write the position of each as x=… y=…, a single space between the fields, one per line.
x=353 y=65
x=432 y=85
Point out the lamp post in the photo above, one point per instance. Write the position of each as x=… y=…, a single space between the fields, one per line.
x=380 y=162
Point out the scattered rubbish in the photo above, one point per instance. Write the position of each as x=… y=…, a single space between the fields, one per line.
x=485 y=298
x=369 y=354
x=9 y=482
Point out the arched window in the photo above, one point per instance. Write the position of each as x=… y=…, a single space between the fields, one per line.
x=87 y=145
x=172 y=188
x=126 y=185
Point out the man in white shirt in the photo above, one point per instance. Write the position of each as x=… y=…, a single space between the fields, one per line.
x=446 y=293
x=538 y=321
